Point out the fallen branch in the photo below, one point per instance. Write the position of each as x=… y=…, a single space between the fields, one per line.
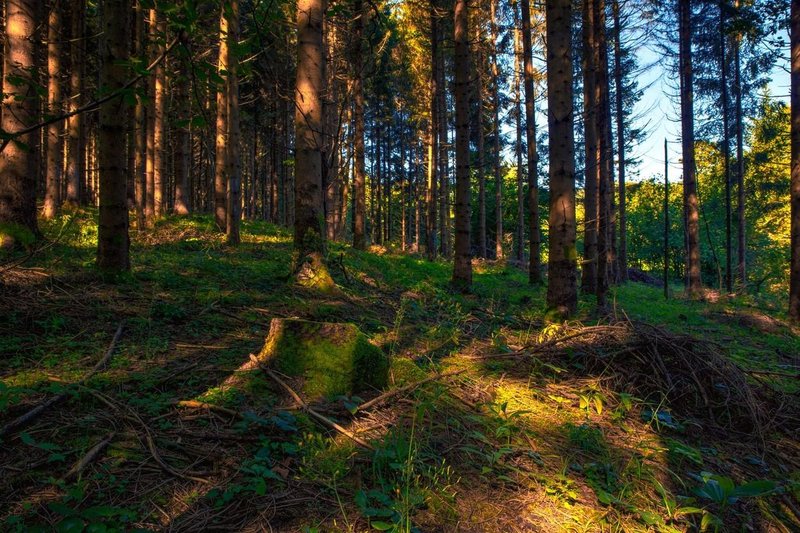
x=320 y=417
x=90 y=456
x=402 y=390
x=46 y=404
x=195 y=404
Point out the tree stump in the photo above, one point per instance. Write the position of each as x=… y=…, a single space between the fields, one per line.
x=331 y=359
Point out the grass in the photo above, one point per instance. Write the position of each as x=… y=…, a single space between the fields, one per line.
x=506 y=445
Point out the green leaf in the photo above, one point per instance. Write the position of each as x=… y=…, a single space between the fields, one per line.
x=755 y=488
x=70 y=525
x=382 y=526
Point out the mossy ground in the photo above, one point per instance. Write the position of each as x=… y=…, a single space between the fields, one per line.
x=503 y=446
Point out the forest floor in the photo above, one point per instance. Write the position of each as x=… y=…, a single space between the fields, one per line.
x=662 y=416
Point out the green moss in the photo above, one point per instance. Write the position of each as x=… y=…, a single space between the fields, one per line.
x=333 y=359
x=405 y=371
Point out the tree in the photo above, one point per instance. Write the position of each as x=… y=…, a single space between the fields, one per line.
x=462 y=264
x=591 y=148
x=233 y=159
x=52 y=196
x=794 y=274
x=159 y=27
x=691 y=208
x=221 y=165
x=562 y=294
x=112 y=230
x=535 y=275
x=18 y=169
x=359 y=180
x=308 y=231
x=76 y=152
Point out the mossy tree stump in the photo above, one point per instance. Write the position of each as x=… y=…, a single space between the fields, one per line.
x=331 y=359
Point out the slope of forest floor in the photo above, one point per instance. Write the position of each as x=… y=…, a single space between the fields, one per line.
x=663 y=416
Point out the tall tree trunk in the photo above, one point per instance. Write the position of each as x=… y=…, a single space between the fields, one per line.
x=794 y=273
x=726 y=150
x=182 y=146
x=444 y=176
x=479 y=127
x=159 y=117
x=233 y=211
x=462 y=264
x=562 y=294
x=150 y=187
x=690 y=201
x=741 y=220
x=76 y=142
x=604 y=185
x=112 y=230
x=519 y=233
x=622 y=258
x=309 y=240
x=359 y=179
x=433 y=147
x=591 y=148
x=221 y=166
x=18 y=168
x=52 y=196
x=534 y=267
x=498 y=181
x=140 y=130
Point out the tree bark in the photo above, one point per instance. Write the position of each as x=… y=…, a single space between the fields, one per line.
x=622 y=258
x=76 y=143
x=562 y=296
x=181 y=136
x=479 y=96
x=233 y=210
x=690 y=201
x=498 y=181
x=433 y=147
x=462 y=264
x=52 y=195
x=309 y=217
x=18 y=169
x=159 y=117
x=591 y=172
x=741 y=222
x=221 y=166
x=726 y=151
x=112 y=231
x=605 y=228
x=534 y=266
x=140 y=131
x=794 y=272
x=519 y=233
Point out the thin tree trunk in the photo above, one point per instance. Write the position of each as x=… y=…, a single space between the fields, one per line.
x=498 y=182
x=159 y=118
x=182 y=147
x=18 y=168
x=221 y=165
x=359 y=179
x=479 y=96
x=519 y=233
x=140 y=130
x=690 y=202
x=433 y=147
x=726 y=151
x=562 y=295
x=622 y=258
x=604 y=184
x=113 y=242
x=75 y=124
x=233 y=211
x=462 y=264
x=591 y=148
x=794 y=272
x=52 y=197
x=741 y=220
x=534 y=267
x=444 y=177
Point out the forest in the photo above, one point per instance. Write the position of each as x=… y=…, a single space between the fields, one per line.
x=400 y=265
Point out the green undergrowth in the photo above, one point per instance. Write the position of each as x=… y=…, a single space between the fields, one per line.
x=504 y=445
